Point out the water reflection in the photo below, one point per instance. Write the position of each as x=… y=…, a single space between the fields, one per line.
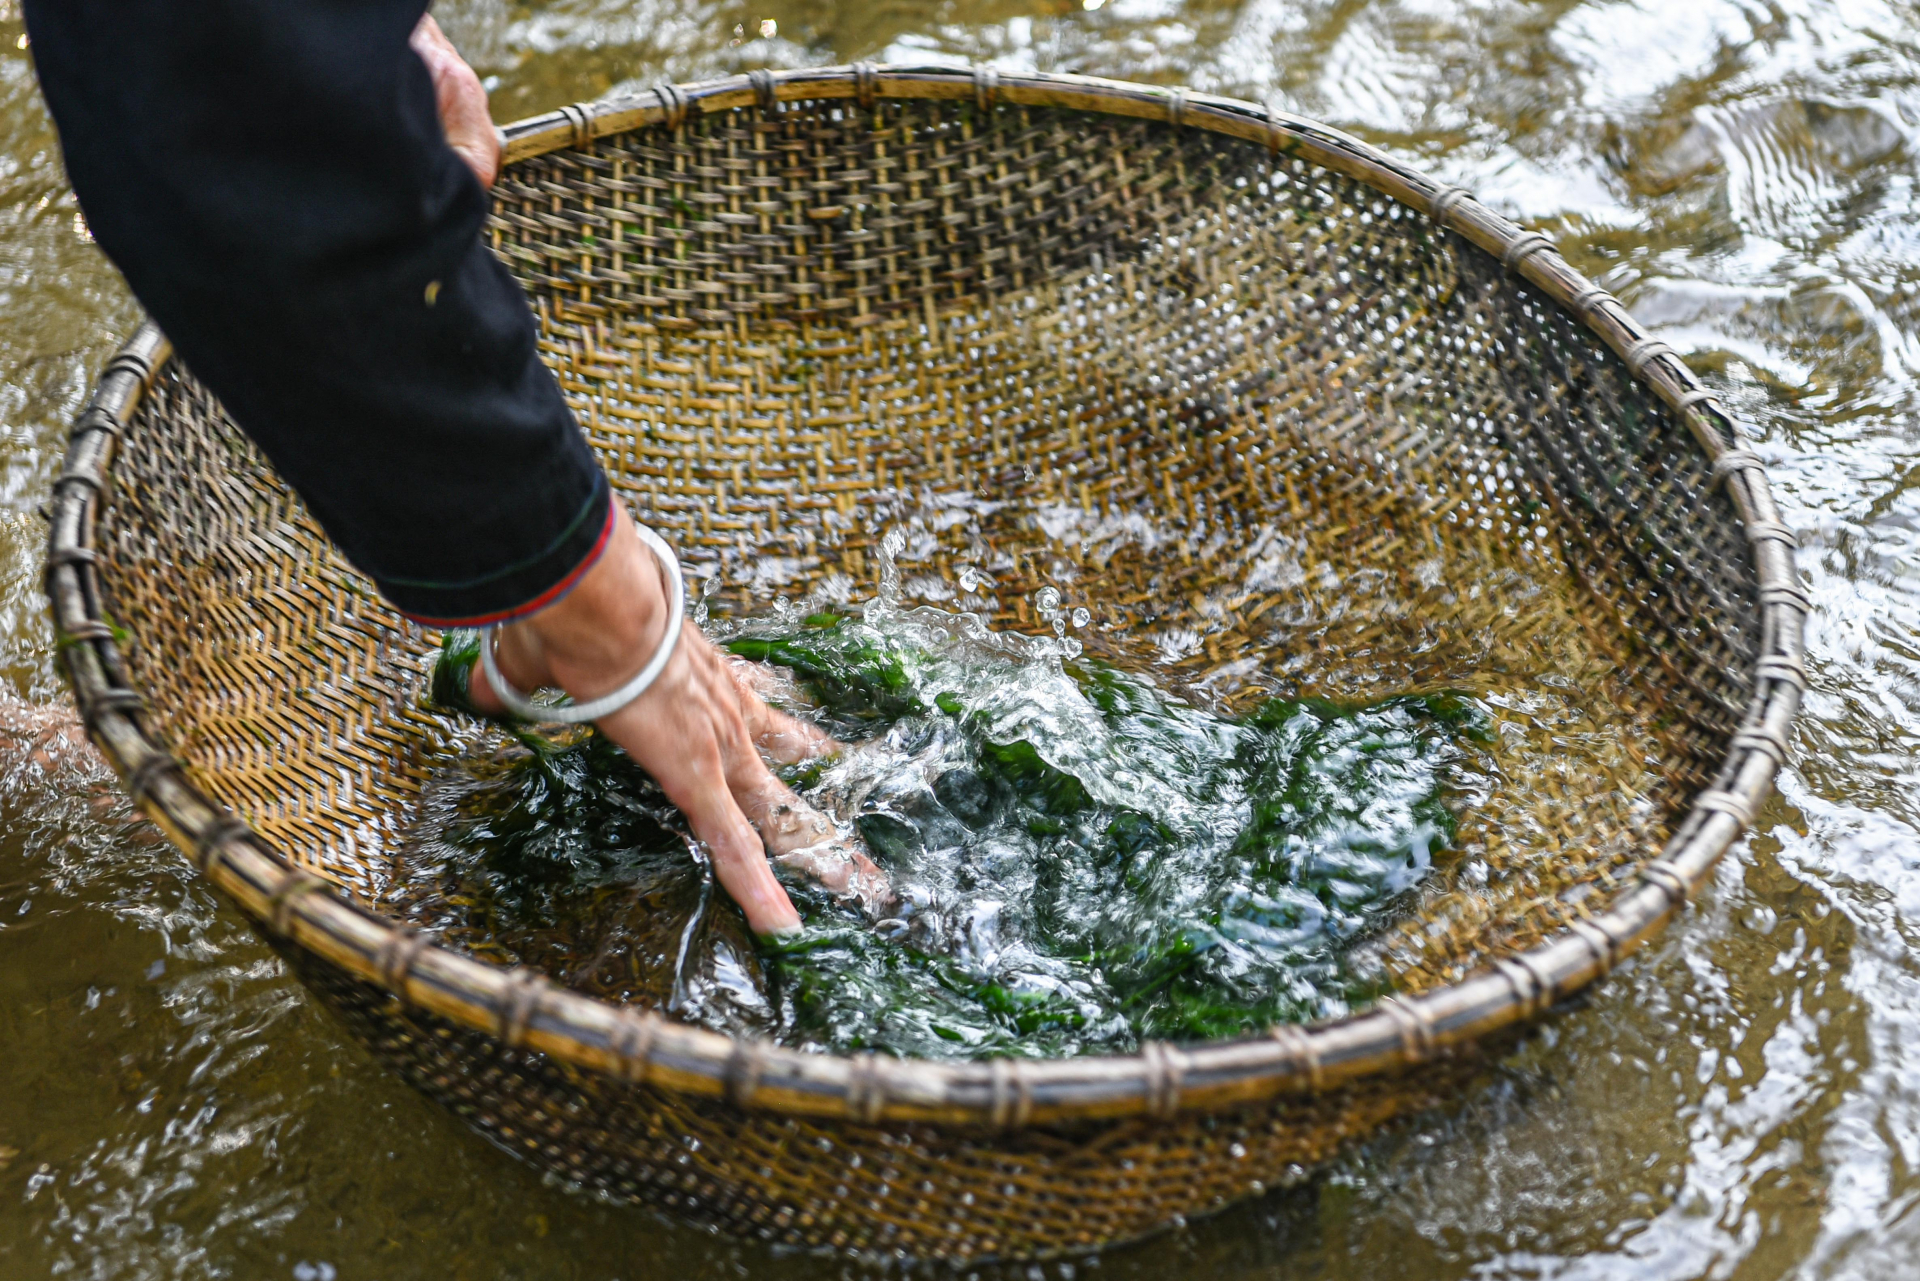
x=1743 y=1100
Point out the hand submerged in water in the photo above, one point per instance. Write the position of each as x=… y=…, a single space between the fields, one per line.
x=798 y=836
x=806 y=841
x=698 y=730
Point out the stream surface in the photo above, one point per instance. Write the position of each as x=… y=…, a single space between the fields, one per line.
x=1742 y=1100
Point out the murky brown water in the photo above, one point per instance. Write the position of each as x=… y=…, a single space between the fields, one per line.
x=1743 y=1101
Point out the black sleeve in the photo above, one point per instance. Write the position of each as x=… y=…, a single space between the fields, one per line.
x=272 y=179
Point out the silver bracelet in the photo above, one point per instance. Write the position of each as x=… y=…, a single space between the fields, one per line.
x=607 y=704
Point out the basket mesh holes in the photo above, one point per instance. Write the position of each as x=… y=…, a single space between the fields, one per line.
x=1250 y=415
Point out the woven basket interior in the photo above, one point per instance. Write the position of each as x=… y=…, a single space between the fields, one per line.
x=1276 y=432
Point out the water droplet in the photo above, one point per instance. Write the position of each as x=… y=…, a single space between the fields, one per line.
x=1047 y=601
x=1059 y=627
x=891 y=546
x=969 y=580
x=1081 y=617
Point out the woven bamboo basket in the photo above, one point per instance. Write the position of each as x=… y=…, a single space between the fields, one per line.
x=793 y=307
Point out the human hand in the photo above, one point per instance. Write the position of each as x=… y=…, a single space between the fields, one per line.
x=461 y=99
x=695 y=730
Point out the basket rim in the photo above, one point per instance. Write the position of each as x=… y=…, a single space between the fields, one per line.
x=524 y=1010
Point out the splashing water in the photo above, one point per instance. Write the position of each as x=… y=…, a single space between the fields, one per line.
x=1079 y=860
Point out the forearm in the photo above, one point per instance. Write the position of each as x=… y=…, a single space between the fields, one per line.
x=275 y=183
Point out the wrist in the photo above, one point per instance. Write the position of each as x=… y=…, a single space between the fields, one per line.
x=613 y=621
x=605 y=643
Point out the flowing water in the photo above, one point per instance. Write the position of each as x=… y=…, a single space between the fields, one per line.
x=1076 y=859
x=1743 y=1100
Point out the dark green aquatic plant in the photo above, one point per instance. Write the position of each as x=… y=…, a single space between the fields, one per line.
x=1087 y=860
x=853 y=674
x=1081 y=859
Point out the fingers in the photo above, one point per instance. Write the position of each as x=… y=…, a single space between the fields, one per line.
x=785 y=822
x=461 y=99
x=733 y=801
x=739 y=860
x=798 y=836
x=779 y=735
x=686 y=732
x=428 y=40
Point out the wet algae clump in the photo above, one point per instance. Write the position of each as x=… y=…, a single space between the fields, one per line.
x=1080 y=860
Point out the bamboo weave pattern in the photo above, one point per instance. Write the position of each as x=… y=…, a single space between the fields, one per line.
x=1273 y=426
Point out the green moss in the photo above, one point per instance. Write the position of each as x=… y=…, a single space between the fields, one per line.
x=1085 y=860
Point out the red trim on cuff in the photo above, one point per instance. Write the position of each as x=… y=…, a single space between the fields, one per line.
x=549 y=597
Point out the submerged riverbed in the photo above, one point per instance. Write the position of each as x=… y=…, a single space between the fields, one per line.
x=1743 y=1100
